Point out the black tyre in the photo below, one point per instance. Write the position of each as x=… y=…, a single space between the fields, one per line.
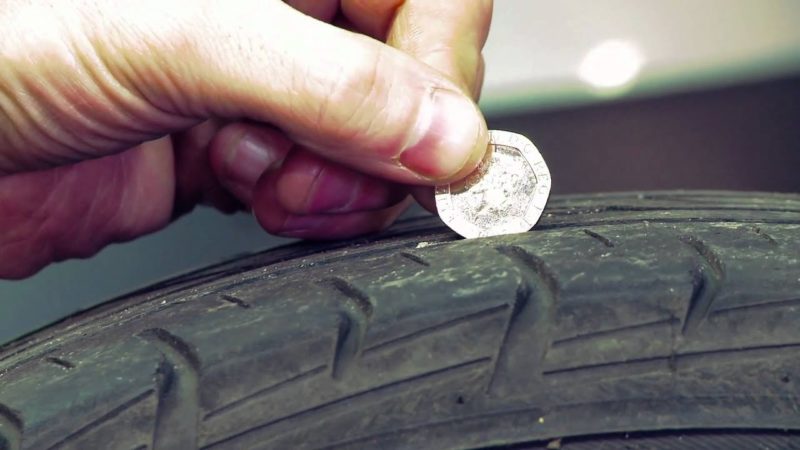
x=657 y=320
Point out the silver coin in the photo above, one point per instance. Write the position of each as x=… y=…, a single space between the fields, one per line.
x=506 y=194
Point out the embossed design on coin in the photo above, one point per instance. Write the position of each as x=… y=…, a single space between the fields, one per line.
x=505 y=194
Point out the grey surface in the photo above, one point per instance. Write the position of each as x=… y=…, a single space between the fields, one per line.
x=203 y=237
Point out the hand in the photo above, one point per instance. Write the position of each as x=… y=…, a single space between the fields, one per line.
x=115 y=116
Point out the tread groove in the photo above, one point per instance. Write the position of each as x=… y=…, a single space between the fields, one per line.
x=629 y=208
x=520 y=301
x=611 y=332
x=414 y=258
x=453 y=420
x=353 y=293
x=672 y=362
x=67 y=440
x=659 y=220
x=400 y=340
x=346 y=345
x=536 y=298
x=346 y=399
x=708 y=276
x=11 y=427
x=175 y=346
x=178 y=382
x=599 y=237
x=535 y=265
x=234 y=300
x=262 y=392
x=63 y=363
x=16 y=365
x=530 y=411
x=757 y=230
x=351 y=326
x=762 y=305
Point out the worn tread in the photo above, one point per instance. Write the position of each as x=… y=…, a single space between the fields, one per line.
x=263 y=431
x=10 y=429
x=599 y=237
x=534 y=305
x=708 y=276
x=624 y=312
x=178 y=384
x=68 y=440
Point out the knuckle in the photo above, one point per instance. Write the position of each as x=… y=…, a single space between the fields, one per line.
x=355 y=95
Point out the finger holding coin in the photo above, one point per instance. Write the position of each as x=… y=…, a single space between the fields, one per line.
x=506 y=194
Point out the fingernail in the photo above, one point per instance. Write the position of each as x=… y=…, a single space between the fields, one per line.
x=333 y=192
x=248 y=159
x=450 y=134
x=340 y=191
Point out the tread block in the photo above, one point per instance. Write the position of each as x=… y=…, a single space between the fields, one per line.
x=617 y=312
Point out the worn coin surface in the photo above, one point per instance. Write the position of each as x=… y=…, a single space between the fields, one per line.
x=506 y=194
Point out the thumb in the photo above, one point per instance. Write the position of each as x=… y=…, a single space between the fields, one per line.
x=342 y=95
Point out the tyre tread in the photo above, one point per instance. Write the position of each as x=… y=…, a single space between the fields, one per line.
x=398 y=340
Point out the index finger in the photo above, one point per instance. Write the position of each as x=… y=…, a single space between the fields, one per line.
x=444 y=34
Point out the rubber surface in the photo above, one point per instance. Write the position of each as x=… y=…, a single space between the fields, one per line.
x=618 y=313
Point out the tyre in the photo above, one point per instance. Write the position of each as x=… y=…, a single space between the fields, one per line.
x=651 y=320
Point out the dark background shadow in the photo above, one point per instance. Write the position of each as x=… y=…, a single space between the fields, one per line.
x=744 y=137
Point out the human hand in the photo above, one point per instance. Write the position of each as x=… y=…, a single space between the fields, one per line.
x=115 y=116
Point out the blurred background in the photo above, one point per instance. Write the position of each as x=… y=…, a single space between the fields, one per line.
x=617 y=95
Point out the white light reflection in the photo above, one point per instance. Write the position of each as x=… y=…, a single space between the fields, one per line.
x=611 y=64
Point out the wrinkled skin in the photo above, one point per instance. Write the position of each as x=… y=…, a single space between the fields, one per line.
x=115 y=116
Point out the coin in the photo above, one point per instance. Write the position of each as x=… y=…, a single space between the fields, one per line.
x=506 y=194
